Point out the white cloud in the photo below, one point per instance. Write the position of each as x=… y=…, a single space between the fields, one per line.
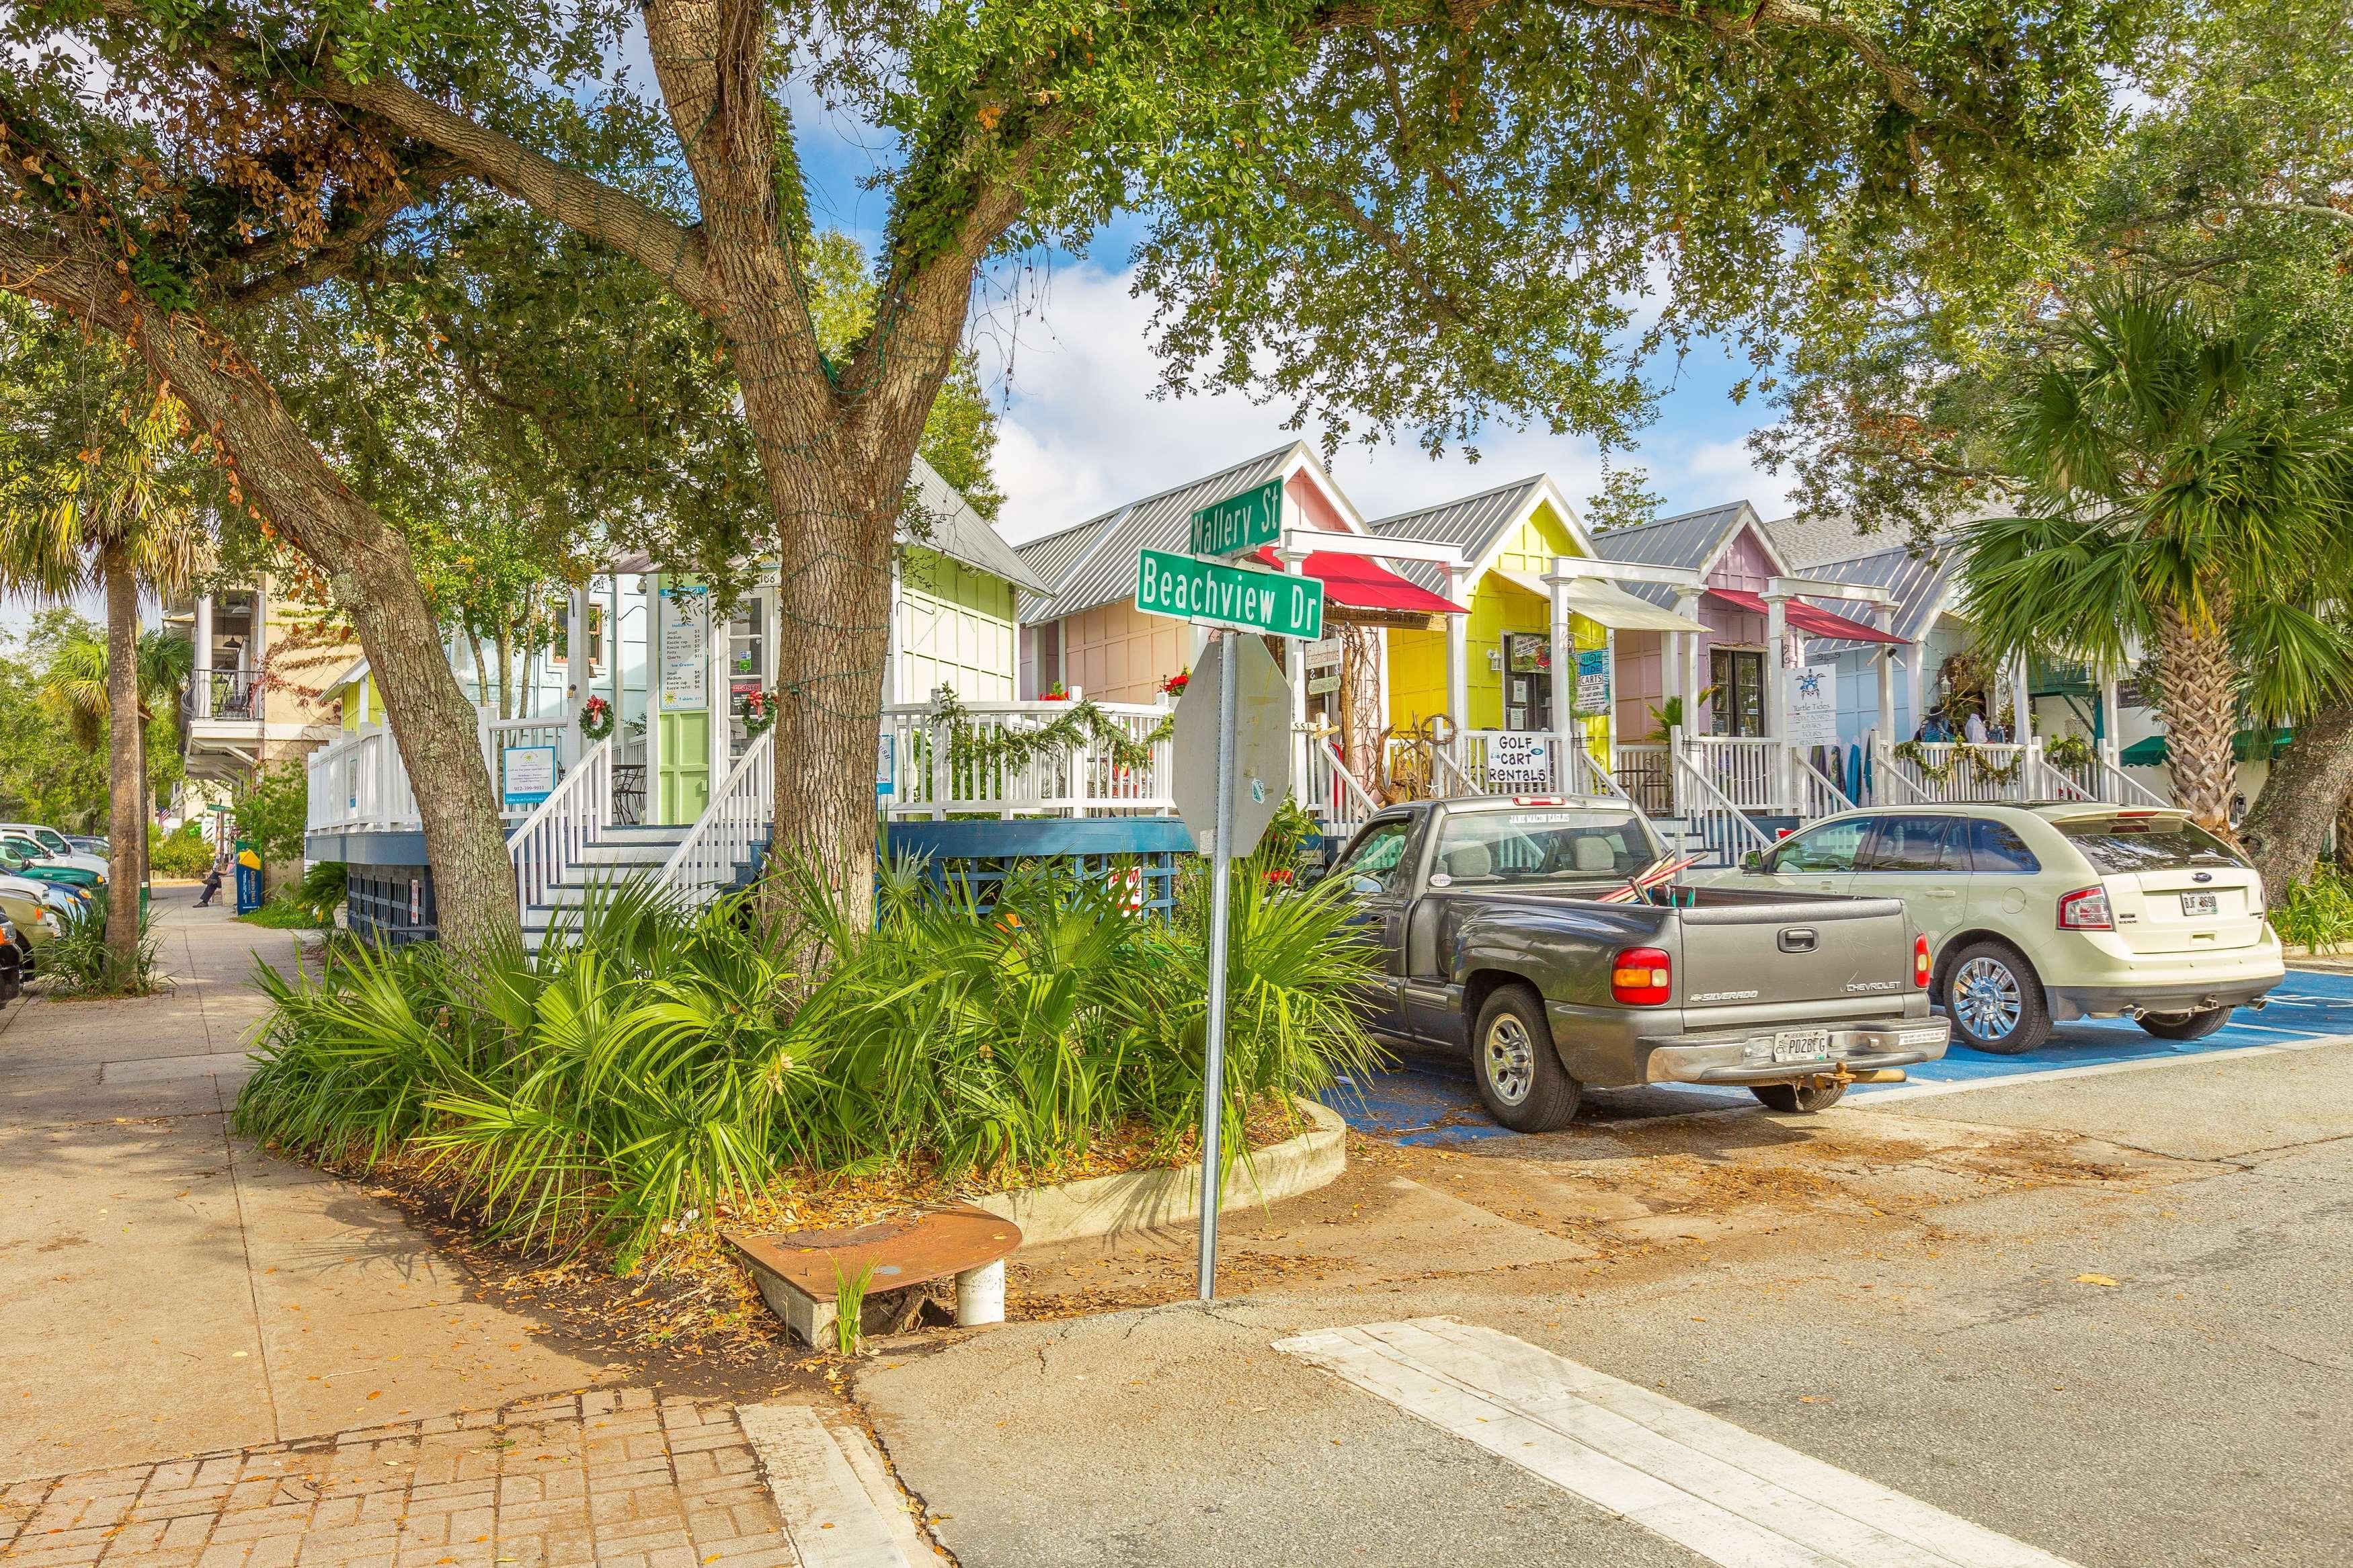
x=1082 y=431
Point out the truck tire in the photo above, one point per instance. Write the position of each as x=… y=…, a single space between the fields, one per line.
x=1995 y=1000
x=2185 y=1025
x=1518 y=1072
x=1795 y=1098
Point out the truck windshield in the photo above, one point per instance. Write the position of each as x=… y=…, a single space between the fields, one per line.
x=1583 y=844
x=2145 y=843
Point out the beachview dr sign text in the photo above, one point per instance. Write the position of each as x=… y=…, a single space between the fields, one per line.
x=1237 y=596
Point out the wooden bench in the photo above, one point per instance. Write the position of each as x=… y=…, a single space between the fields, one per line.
x=799 y=1272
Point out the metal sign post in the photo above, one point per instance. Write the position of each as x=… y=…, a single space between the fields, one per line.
x=1213 y=1048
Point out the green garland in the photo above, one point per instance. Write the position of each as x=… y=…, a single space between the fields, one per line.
x=995 y=746
x=2070 y=751
x=1942 y=773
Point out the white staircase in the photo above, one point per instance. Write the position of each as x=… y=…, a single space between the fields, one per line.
x=618 y=854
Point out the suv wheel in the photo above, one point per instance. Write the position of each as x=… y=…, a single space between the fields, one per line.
x=1996 y=1000
x=2185 y=1025
x=1518 y=1072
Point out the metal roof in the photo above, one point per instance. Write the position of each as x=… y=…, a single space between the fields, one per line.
x=1689 y=541
x=1050 y=558
x=1471 y=524
x=1100 y=568
x=1918 y=582
x=943 y=520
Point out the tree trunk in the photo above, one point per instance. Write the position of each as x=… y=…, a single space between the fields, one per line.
x=126 y=764
x=2198 y=694
x=2303 y=794
x=2344 y=834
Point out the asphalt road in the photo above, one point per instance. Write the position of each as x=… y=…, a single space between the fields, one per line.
x=2149 y=1372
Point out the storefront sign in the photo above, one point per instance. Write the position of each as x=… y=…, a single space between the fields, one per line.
x=1236 y=596
x=685 y=648
x=1593 y=681
x=530 y=774
x=886 y=766
x=1518 y=761
x=1239 y=524
x=1323 y=685
x=1813 y=707
x=1324 y=653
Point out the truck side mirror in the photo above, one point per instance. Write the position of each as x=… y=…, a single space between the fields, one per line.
x=1752 y=862
x=1365 y=886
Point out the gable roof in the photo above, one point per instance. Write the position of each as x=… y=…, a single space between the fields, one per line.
x=942 y=520
x=1921 y=585
x=1690 y=541
x=1478 y=525
x=1094 y=563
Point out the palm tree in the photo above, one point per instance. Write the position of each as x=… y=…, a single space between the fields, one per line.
x=95 y=493
x=2184 y=500
x=75 y=682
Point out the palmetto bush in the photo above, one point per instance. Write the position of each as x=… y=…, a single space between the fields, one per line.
x=651 y=1066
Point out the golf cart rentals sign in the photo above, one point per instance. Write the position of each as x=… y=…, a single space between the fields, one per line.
x=1520 y=761
x=1240 y=597
x=1239 y=524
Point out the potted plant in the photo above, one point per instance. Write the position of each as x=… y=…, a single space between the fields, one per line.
x=1175 y=685
x=1056 y=693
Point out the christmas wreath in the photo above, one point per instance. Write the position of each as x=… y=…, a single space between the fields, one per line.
x=597 y=718
x=759 y=711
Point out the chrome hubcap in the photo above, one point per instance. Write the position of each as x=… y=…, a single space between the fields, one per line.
x=1511 y=1061
x=1985 y=998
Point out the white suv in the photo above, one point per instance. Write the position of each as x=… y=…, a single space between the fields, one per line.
x=2037 y=914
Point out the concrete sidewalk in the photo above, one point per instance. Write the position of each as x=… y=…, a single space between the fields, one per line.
x=166 y=1289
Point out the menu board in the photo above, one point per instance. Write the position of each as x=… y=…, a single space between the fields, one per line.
x=685 y=648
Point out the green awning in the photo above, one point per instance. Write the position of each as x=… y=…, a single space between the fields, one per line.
x=2247 y=745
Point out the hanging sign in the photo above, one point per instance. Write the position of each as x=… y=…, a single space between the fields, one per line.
x=886 y=766
x=530 y=774
x=1813 y=707
x=1239 y=524
x=1519 y=760
x=1324 y=653
x=1593 y=681
x=1240 y=597
x=685 y=649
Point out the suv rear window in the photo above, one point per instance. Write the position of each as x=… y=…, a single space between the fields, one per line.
x=2145 y=843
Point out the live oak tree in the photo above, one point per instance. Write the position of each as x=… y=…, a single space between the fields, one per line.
x=1389 y=217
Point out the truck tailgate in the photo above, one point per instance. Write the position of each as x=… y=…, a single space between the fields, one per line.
x=1793 y=961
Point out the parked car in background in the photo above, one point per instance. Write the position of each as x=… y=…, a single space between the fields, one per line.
x=85 y=845
x=2042 y=913
x=1496 y=943
x=22 y=857
x=32 y=840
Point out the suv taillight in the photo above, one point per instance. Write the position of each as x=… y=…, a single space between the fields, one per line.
x=1641 y=977
x=1920 y=963
x=2085 y=909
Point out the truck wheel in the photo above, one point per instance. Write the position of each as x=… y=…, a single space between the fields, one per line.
x=1518 y=1072
x=1996 y=1000
x=2185 y=1025
x=1799 y=1097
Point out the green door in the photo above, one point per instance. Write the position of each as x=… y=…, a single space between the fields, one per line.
x=685 y=766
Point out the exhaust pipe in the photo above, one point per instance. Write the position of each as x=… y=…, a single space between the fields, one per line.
x=2132 y=1010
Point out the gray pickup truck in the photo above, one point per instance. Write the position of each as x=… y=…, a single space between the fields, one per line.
x=1488 y=911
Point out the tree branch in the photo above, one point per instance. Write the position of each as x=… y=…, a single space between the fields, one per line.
x=329 y=257
x=1438 y=302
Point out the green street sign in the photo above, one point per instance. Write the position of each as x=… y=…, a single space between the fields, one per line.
x=1239 y=524
x=1238 y=597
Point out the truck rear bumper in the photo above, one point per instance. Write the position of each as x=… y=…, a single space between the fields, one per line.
x=1747 y=1058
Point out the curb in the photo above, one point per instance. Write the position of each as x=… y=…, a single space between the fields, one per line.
x=1152 y=1200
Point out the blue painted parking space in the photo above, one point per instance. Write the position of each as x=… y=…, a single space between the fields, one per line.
x=1427 y=1099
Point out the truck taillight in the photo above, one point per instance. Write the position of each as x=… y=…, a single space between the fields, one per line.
x=1920 y=963
x=1641 y=977
x=2085 y=909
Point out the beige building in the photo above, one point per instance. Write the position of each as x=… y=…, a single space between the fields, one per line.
x=258 y=693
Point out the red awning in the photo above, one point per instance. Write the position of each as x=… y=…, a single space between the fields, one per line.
x=1810 y=619
x=1362 y=582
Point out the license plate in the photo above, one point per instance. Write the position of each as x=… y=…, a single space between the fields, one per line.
x=2198 y=904
x=1802 y=1045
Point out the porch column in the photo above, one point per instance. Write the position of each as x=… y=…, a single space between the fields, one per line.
x=1776 y=691
x=1295 y=673
x=1563 y=643
x=2021 y=700
x=1687 y=681
x=1609 y=703
x=715 y=693
x=576 y=669
x=203 y=680
x=1916 y=664
x=891 y=649
x=1887 y=677
x=1458 y=652
x=2110 y=743
x=649 y=587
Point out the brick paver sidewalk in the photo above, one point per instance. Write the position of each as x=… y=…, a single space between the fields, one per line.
x=613 y=1478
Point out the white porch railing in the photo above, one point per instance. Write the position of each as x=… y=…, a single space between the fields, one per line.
x=1744 y=769
x=935 y=773
x=561 y=826
x=2121 y=788
x=1954 y=773
x=1333 y=795
x=1646 y=775
x=1890 y=782
x=1719 y=821
x=357 y=784
x=736 y=819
